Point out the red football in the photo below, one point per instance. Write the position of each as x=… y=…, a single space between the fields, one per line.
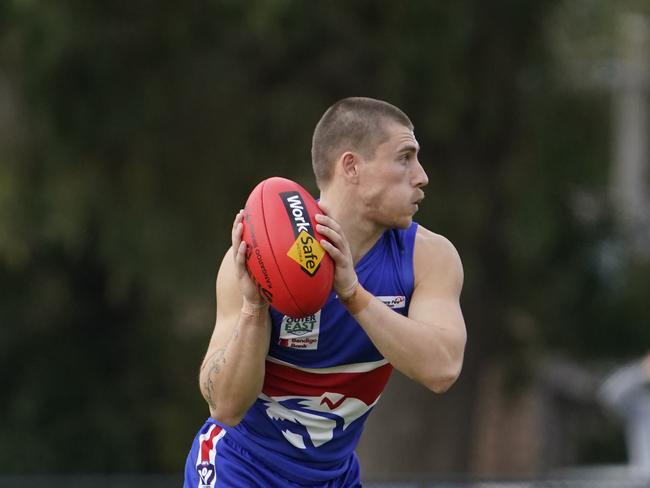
x=284 y=256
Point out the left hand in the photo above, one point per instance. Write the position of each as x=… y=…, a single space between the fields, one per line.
x=337 y=246
x=247 y=286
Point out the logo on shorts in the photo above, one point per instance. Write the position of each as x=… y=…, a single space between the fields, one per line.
x=394 y=301
x=301 y=333
x=205 y=470
x=207 y=455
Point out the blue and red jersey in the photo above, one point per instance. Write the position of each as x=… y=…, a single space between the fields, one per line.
x=323 y=377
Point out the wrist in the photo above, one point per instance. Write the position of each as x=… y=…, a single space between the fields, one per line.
x=347 y=293
x=253 y=309
x=357 y=300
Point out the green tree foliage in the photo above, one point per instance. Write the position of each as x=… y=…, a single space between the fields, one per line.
x=136 y=130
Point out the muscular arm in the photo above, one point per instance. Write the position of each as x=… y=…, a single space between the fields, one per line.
x=428 y=345
x=232 y=372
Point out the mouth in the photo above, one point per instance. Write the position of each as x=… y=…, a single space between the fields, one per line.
x=418 y=201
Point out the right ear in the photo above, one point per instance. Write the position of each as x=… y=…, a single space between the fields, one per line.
x=349 y=164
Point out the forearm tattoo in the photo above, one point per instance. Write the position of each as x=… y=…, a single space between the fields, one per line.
x=213 y=366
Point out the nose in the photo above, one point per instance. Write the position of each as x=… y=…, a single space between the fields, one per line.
x=420 y=178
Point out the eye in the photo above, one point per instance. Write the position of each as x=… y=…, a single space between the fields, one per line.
x=404 y=158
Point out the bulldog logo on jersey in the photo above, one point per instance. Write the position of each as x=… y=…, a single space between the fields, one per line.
x=321 y=417
x=314 y=407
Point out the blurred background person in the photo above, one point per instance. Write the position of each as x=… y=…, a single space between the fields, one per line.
x=626 y=392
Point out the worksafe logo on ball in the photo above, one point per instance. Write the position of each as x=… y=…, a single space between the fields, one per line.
x=306 y=250
x=301 y=333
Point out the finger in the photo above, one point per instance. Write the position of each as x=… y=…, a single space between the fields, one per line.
x=334 y=237
x=237 y=238
x=237 y=228
x=334 y=252
x=328 y=221
x=240 y=256
x=239 y=220
x=237 y=234
x=239 y=217
x=241 y=252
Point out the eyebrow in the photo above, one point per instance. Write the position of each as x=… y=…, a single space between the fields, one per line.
x=409 y=147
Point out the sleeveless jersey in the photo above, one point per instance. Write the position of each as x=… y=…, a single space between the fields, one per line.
x=324 y=375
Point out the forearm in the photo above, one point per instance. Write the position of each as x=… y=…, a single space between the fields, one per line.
x=431 y=354
x=232 y=377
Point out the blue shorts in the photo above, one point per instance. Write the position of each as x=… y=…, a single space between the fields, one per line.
x=215 y=460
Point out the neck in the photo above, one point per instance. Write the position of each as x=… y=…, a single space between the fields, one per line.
x=360 y=232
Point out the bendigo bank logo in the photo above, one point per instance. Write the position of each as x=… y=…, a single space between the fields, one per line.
x=306 y=250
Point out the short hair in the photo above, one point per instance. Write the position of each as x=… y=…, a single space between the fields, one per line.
x=352 y=124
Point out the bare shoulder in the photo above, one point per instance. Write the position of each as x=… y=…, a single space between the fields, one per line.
x=432 y=248
x=435 y=259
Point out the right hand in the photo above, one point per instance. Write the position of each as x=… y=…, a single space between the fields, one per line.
x=246 y=284
x=337 y=246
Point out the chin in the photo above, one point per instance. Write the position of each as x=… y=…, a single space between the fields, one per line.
x=404 y=223
x=388 y=221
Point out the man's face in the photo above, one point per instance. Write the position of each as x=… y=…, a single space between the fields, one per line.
x=391 y=181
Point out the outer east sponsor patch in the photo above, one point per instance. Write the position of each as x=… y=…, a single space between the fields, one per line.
x=394 y=301
x=300 y=333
